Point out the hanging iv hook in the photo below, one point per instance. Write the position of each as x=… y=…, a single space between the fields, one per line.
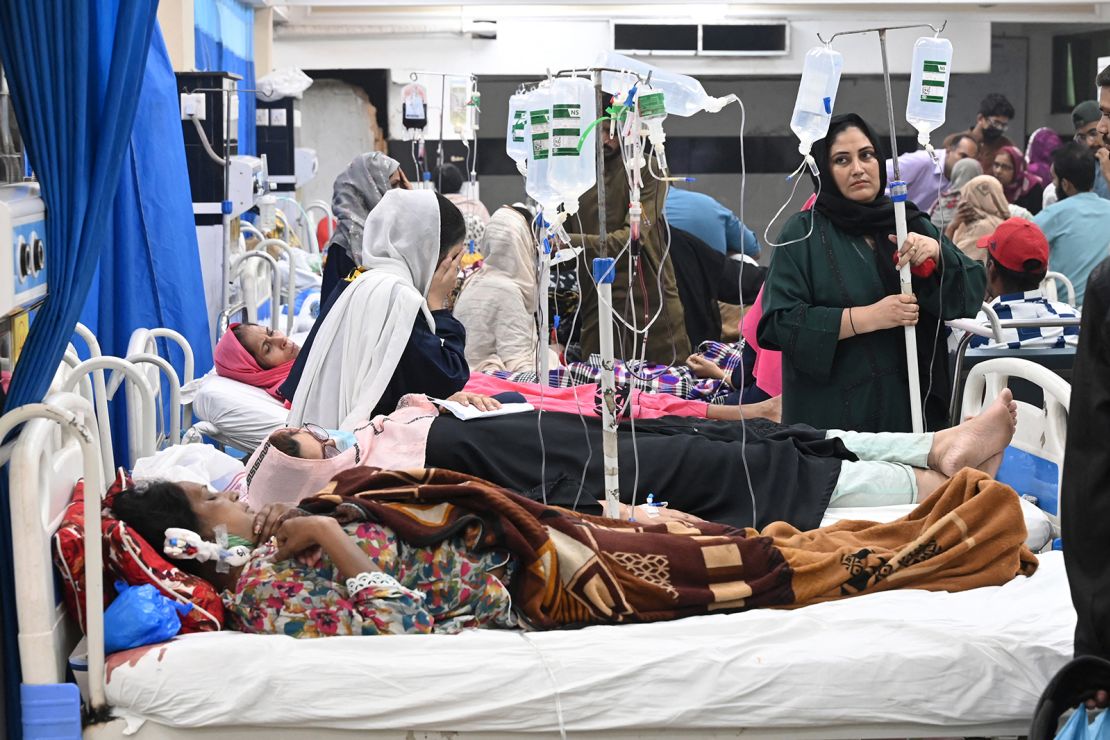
x=832 y=38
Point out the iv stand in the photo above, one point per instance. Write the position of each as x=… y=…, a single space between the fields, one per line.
x=604 y=273
x=898 y=197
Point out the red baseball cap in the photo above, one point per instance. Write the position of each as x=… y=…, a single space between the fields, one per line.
x=1015 y=242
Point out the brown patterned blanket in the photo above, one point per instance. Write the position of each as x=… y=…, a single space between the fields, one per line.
x=577 y=569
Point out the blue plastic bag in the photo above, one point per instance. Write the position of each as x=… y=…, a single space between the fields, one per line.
x=140 y=615
x=1077 y=728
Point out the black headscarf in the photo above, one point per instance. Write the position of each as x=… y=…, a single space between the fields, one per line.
x=874 y=219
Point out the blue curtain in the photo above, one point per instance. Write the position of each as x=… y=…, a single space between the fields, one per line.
x=150 y=276
x=225 y=43
x=75 y=71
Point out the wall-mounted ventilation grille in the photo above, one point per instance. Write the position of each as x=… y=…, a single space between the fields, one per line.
x=749 y=38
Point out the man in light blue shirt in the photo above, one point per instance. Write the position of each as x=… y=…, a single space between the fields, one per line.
x=925 y=179
x=1086 y=117
x=709 y=221
x=1078 y=224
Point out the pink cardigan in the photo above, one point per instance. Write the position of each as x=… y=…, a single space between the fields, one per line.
x=768 y=363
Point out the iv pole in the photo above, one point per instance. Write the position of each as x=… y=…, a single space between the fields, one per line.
x=604 y=272
x=898 y=197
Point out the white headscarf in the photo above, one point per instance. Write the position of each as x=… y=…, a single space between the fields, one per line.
x=509 y=252
x=360 y=342
x=496 y=304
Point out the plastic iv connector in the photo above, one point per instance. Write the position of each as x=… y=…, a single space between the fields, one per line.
x=816 y=96
x=573 y=165
x=685 y=96
x=652 y=106
x=932 y=66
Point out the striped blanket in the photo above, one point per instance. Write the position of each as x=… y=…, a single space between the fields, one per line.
x=677 y=381
x=576 y=569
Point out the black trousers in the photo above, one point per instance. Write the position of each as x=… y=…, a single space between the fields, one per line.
x=696 y=465
x=1085 y=494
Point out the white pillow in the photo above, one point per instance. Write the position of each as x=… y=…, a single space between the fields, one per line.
x=245 y=415
x=193 y=463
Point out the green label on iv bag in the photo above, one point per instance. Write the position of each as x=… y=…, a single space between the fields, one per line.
x=541 y=138
x=566 y=120
x=518 y=127
x=564 y=142
x=933 y=82
x=566 y=110
x=651 y=105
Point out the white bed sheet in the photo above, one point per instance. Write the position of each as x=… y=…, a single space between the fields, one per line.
x=974 y=658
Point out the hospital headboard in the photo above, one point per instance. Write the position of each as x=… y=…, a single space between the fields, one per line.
x=58 y=445
x=1041 y=432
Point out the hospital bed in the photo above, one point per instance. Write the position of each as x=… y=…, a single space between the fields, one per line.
x=1059 y=361
x=897 y=664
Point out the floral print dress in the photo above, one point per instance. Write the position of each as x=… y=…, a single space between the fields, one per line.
x=442 y=588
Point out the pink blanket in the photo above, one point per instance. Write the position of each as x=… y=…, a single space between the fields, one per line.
x=580 y=399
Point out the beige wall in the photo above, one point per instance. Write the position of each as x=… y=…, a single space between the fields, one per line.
x=175 y=17
x=263 y=42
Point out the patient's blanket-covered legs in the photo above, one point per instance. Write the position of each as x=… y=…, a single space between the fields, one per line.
x=576 y=569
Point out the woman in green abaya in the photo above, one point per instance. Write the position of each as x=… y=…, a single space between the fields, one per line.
x=832 y=302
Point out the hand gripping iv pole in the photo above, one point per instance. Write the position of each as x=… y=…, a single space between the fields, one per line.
x=898 y=197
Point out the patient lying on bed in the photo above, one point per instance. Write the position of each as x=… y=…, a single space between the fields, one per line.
x=435 y=551
x=715 y=470
x=256 y=355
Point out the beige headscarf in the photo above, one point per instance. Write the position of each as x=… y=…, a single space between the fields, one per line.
x=985 y=195
x=496 y=305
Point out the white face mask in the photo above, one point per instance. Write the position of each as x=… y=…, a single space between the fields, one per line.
x=343 y=441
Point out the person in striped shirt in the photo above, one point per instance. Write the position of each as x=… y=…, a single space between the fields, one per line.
x=1017 y=260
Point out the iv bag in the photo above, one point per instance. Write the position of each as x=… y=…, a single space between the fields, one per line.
x=932 y=65
x=684 y=96
x=573 y=166
x=414 y=107
x=816 y=96
x=516 y=145
x=539 y=157
x=458 y=95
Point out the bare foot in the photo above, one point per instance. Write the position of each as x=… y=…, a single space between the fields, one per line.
x=991 y=465
x=977 y=442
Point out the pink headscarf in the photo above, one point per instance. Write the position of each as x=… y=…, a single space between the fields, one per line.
x=1023 y=181
x=1042 y=144
x=235 y=362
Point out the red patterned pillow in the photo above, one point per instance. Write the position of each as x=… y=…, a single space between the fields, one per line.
x=128 y=556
